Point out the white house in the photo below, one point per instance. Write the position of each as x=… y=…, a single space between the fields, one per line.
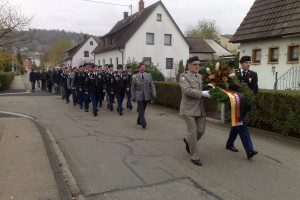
x=270 y=33
x=81 y=53
x=231 y=47
x=150 y=36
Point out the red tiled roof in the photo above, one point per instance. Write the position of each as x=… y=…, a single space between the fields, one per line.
x=198 y=45
x=269 y=19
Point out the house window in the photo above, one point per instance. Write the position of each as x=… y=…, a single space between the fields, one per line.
x=86 y=53
x=168 y=39
x=147 y=61
x=110 y=61
x=150 y=38
x=293 y=54
x=256 y=56
x=158 y=18
x=99 y=63
x=169 y=63
x=91 y=43
x=103 y=62
x=117 y=61
x=273 y=55
x=112 y=40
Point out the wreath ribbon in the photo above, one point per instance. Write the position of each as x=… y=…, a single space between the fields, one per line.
x=237 y=103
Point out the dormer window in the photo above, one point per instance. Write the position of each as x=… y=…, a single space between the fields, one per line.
x=91 y=43
x=158 y=17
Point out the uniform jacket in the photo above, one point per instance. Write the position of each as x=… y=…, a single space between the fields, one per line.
x=109 y=79
x=143 y=89
x=32 y=76
x=71 y=80
x=192 y=102
x=95 y=82
x=120 y=83
x=250 y=78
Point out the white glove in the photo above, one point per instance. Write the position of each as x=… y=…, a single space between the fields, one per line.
x=205 y=94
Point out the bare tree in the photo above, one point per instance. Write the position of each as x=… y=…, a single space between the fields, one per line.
x=12 y=22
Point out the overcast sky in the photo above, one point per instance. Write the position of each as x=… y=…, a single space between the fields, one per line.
x=97 y=19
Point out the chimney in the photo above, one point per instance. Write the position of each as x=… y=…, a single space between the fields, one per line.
x=141 y=5
x=125 y=15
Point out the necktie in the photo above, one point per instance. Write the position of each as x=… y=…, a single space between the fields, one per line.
x=196 y=76
x=244 y=74
x=142 y=76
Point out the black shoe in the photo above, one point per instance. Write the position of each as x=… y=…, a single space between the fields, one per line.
x=86 y=110
x=144 y=125
x=120 y=113
x=81 y=107
x=130 y=107
x=95 y=114
x=111 y=109
x=197 y=162
x=251 y=154
x=232 y=148
x=187 y=147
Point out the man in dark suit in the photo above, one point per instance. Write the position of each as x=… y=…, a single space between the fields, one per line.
x=250 y=77
x=32 y=79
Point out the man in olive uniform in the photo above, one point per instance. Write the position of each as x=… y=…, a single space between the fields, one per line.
x=192 y=107
x=142 y=91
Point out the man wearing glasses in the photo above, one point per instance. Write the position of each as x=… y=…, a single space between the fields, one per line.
x=250 y=78
x=192 y=107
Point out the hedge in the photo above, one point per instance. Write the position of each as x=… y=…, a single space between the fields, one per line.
x=6 y=79
x=276 y=111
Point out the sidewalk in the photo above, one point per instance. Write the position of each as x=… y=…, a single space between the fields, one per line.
x=25 y=170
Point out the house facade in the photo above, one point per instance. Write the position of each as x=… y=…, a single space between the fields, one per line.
x=233 y=48
x=150 y=36
x=199 y=47
x=270 y=33
x=81 y=53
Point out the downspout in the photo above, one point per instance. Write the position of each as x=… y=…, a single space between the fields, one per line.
x=122 y=55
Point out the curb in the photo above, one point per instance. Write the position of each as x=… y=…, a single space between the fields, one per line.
x=66 y=183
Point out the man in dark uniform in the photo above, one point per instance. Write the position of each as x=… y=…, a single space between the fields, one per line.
x=78 y=82
x=71 y=84
x=55 y=79
x=85 y=88
x=250 y=77
x=32 y=79
x=120 y=85
x=95 y=85
x=48 y=80
x=43 y=80
x=102 y=94
x=109 y=80
x=128 y=92
x=64 y=83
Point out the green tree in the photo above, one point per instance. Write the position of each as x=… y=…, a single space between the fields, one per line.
x=205 y=29
x=180 y=70
x=57 y=50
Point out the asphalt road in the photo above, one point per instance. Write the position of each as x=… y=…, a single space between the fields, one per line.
x=111 y=157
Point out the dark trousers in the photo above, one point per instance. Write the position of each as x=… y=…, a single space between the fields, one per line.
x=74 y=96
x=43 y=84
x=80 y=98
x=32 y=85
x=128 y=104
x=141 y=110
x=66 y=93
x=86 y=100
x=110 y=100
x=95 y=99
x=120 y=97
x=101 y=98
x=49 y=85
x=241 y=130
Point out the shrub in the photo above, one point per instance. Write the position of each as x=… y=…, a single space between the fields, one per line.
x=277 y=111
x=5 y=80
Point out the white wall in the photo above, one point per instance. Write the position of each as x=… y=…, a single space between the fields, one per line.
x=266 y=78
x=79 y=58
x=109 y=55
x=136 y=47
